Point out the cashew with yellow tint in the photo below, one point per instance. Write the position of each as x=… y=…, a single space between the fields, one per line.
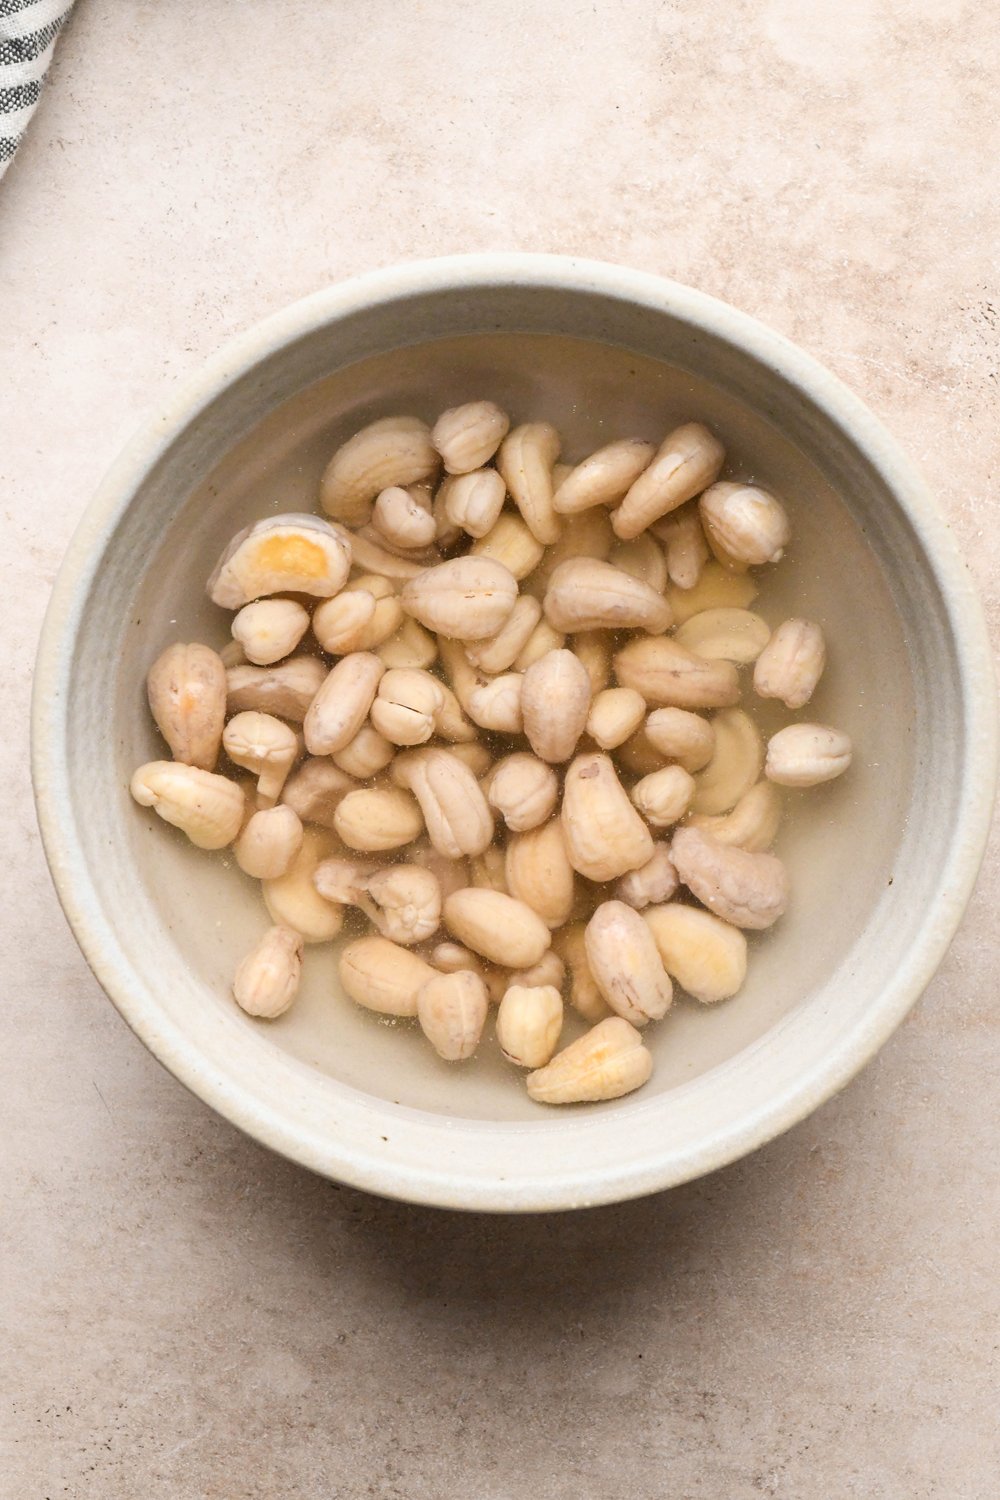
x=615 y=714
x=382 y=975
x=374 y=819
x=688 y=459
x=593 y=649
x=540 y=642
x=806 y=755
x=539 y=873
x=467 y=436
x=664 y=796
x=391 y=451
x=524 y=790
x=605 y=836
x=555 y=702
x=285 y=690
x=499 y=927
x=265 y=746
x=341 y=706
x=409 y=646
x=605 y=477
x=588 y=535
x=716 y=588
x=668 y=675
x=289 y=554
x=704 y=955
x=293 y=900
x=625 y=964
x=751 y=824
x=529 y=1022
x=736 y=635
x=683 y=736
x=452 y=1010
x=269 y=842
x=509 y=542
x=747 y=525
x=748 y=890
x=791 y=664
x=267 y=980
x=207 y=807
x=186 y=687
x=525 y=462
x=609 y=1061
x=735 y=764
x=488 y=871
x=586 y=594
x=570 y=943
x=467 y=598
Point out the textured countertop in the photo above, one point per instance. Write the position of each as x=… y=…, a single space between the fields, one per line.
x=187 y=1316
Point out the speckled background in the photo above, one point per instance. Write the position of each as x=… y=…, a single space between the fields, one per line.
x=186 y=1316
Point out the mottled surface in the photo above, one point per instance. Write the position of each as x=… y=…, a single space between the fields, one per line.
x=186 y=1316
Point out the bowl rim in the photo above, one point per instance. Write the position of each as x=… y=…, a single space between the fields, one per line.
x=50 y=765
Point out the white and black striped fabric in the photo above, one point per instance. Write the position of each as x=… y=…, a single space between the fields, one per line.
x=28 y=31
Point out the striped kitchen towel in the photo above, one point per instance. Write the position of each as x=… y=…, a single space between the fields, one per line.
x=28 y=31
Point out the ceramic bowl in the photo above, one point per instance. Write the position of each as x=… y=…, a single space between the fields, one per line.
x=881 y=861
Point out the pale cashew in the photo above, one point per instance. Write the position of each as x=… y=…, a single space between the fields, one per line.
x=735 y=764
x=664 y=796
x=468 y=598
x=373 y=557
x=186 y=687
x=499 y=652
x=452 y=1010
x=472 y=503
x=605 y=477
x=511 y=544
x=682 y=736
x=341 y=706
x=267 y=980
x=524 y=790
x=529 y=1023
x=752 y=824
x=626 y=965
x=748 y=890
x=366 y=755
x=499 y=927
x=642 y=558
x=586 y=594
x=540 y=642
x=410 y=646
x=450 y=721
x=589 y=535
x=605 y=836
x=791 y=664
x=555 y=702
x=666 y=674
x=748 y=525
x=615 y=714
x=525 y=461
x=807 y=754
x=292 y=554
x=262 y=744
x=315 y=790
x=652 y=883
x=549 y=970
x=539 y=873
x=406 y=706
x=716 y=589
x=609 y=1061
x=404 y=902
x=684 y=545
x=294 y=901
x=496 y=704
x=593 y=649
x=735 y=635
x=468 y=436
x=402 y=521
x=706 y=956
x=458 y=819
x=687 y=460
x=446 y=534
x=208 y=808
x=570 y=943
x=285 y=690
x=269 y=842
x=341 y=881
x=365 y=613
x=269 y=629
x=393 y=450
x=383 y=976
x=374 y=819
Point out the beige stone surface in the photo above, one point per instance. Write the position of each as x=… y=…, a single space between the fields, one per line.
x=187 y=1316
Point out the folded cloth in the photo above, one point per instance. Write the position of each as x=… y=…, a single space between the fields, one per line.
x=28 y=31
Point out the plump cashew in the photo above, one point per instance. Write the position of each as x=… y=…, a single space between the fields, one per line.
x=342 y=880
x=208 y=808
x=291 y=554
x=717 y=588
x=473 y=502
x=586 y=594
x=735 y=764
x=452 y=957
x=383 y=976
x=682 y=736
x=664 y=796
x=529 y=1023
x=269 y=842
x=686 y=461
x=410 y=646
x=807 y=754
x=406 y=706
x=403 y=523
x=315 y=790
x=605 y=477
x=269 y=629
x=365 y=613
x=341 y=706
x=549 y=970
x=539 y=873
x=555 y=702
x=468 y=598
x=523 y=789
x=749 y=890
x=374 y=819
x=294 y=901
x=626 y=965
x=458 y=820
x=394 y=450
x=446 y=534
x=267 y=980
x=791 y=664
x=684 y=545
x=366 y=755
x=499 y=927
x=735 y=635
x=615 y=714
x=652 y=883
x=666 y=674
x=499 y=652
x=452 y=1011
x=404 y=902
x=641 y=558
x=468 y=436
x=589 y=535
x=752 y=824
x=511 y=544
x=747 y=525
x=262 y=744
x=186 y=687
x=609 y=1061
x=371 y=555
x=525 y=462
x=706 y=956
x=477 y=757
x=540 y=642
x=638 y=756
x=570 y=942
x=488 y=871
x=285 y=690
x=496 y=704
x=593 y=650
x=605 y=836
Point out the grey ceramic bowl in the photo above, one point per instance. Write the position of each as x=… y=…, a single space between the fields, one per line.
x=882 y=862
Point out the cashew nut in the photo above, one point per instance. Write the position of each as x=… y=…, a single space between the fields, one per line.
x=342 y=880
x=593 y=649
x=625 y=964
x=267 y=980
x=468 y=436
x=664 y=796
x=366 y=755
x=315 y=790
x=748 y=890
x=570 y=943
x=262 y=744
x=706 y=956
x=807 y=754
x=605 y=836
x=746 y=524
x=285 y=690
x=458 y=820
x=609 y=1061
x=406 y=705
x=374 y=819
x=383 y=976
x=735 y=764
x=529 y=1022
x=468 y=598
x=410 y=646
x=687 y=460
x=208 y=808
x=370 y=554
x=474 y=755
x=291 y=554
x=472 y=502
x=791 y=664
x=365 y=613
x=394 y=450
x=499 y=927
x=589 y=535
x=269 y=629
x=735 y=635
x=499 y=652
x=684 y=545
x=538 y=872
x=269 y=842
x=402 y=521
x=511 y=544
x=555 y=702
x=523 y=789
x=665 y=673
x=752 y=824
x=496 y=704
x=293 y=900
x=605 y=477
x=525 y=462
x=488 y=871
x=642 y=558
x=549 y=970
x=615 y=714
x=652 y=883
x=186 y=687
x=341 y=706
x=452 y=1010
x=716 y=589
x=586 y=594
x=540 y=642
x=681 y=736
x=404 y=902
